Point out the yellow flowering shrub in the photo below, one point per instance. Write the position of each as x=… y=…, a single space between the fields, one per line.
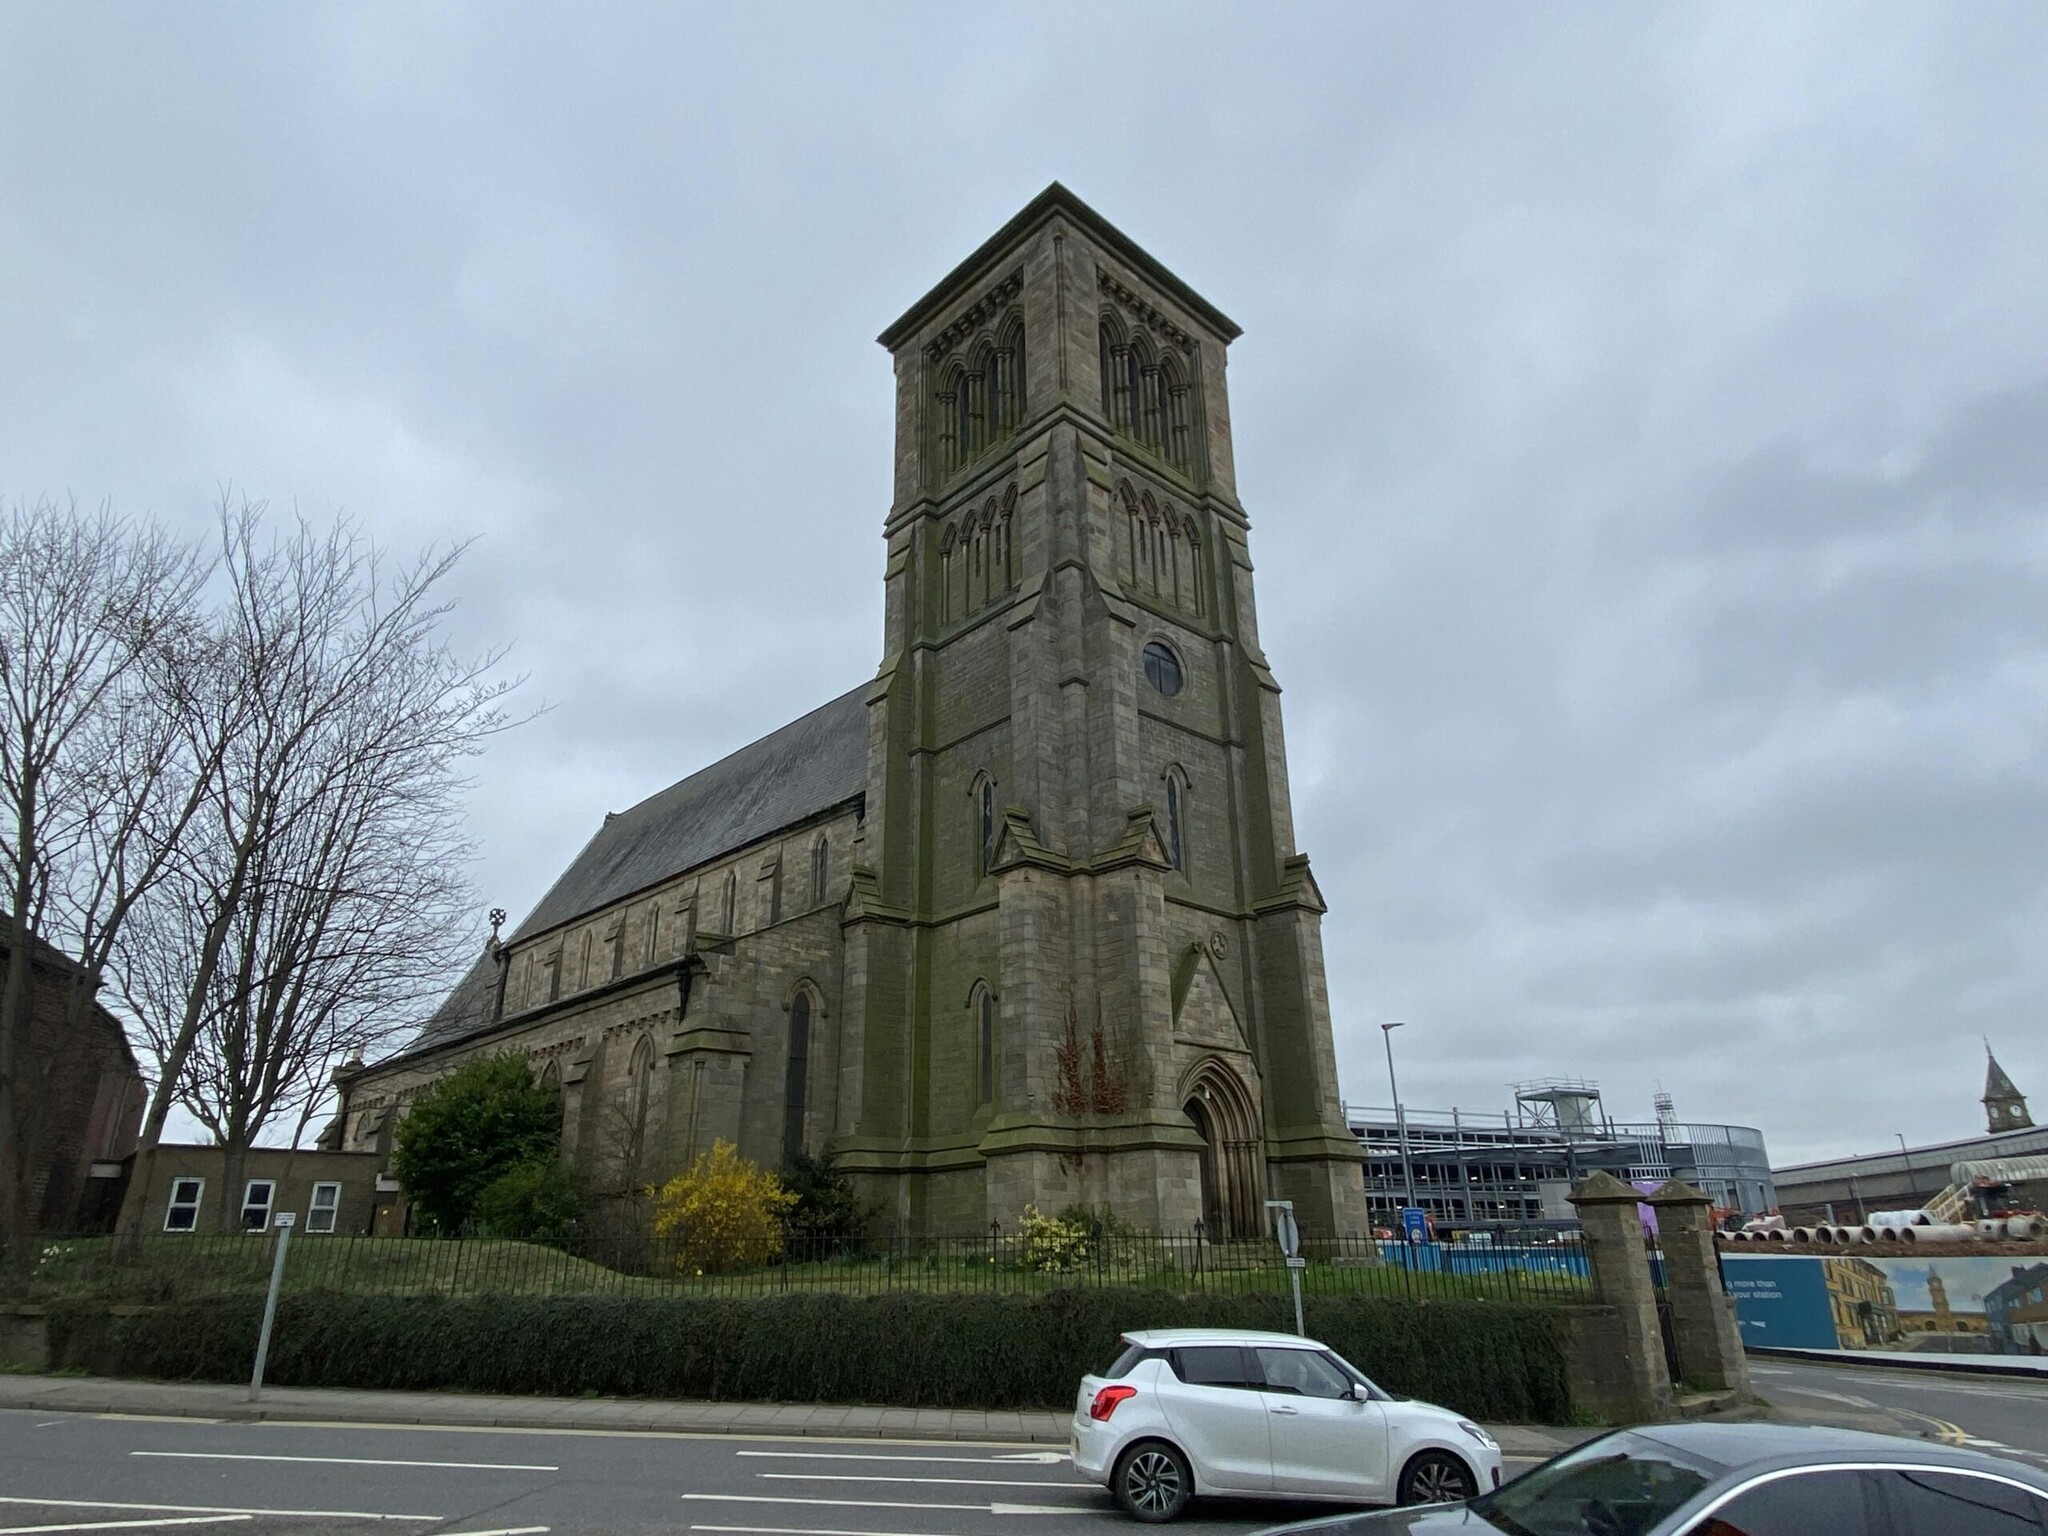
x=1051 y=1242
x=726 y=1213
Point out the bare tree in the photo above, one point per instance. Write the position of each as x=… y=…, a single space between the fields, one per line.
x=97 y=631
x=317 y=899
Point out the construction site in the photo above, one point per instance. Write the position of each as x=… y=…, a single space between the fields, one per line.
x=1515 y=1167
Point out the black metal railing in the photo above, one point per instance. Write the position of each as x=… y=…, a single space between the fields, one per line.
x=1537 y=1266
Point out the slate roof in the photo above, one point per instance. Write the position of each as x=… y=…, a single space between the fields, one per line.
x=1996 y=1084
x=812 y=764
x=466 y=1009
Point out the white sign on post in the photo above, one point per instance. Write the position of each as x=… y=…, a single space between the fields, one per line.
x=1288 y=1234
x=1285 y=1229
x=287 y=1218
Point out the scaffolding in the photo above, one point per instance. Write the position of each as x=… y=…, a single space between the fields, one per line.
x=1516 y=1167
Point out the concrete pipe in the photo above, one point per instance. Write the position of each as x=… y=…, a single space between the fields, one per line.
x=1824 y=1234
x=1888 y=1234
x=1864 y=1234
x=1776 y=1235
x=1939 y=1234
x=1991 y=1227
x=1802 y=1234
x=2026 y=1228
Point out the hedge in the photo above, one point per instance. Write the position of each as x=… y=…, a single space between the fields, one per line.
x=1493 y=1360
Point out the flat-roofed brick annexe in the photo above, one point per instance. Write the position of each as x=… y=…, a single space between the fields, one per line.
x=82 y=1073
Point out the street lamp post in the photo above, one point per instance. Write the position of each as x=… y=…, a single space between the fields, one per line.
x=1911 y=1178
x=1400 y=1115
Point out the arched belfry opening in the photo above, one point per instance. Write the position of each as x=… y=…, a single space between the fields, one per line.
x=1224 y=1116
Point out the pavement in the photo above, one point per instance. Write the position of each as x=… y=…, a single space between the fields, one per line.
x=207 y=1400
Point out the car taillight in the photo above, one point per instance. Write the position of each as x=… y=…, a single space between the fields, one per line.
x=1106 y=1401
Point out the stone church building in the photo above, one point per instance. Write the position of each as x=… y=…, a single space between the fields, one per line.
x=1021 y=919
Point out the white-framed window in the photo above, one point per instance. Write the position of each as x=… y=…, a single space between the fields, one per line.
x=320 y=1215
x=256 y=1201
x=183 y=1213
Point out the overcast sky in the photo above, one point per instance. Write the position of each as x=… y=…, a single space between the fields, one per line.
x=1642 y=412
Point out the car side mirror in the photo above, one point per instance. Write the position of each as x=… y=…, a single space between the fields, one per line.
x=1360 y=1392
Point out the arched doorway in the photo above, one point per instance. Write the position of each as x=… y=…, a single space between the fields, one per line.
x=1221 y=1112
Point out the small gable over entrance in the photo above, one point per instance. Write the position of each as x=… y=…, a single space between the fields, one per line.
x=1202 y=1011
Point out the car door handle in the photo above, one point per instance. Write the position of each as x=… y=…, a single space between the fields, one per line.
x=1283 y=1408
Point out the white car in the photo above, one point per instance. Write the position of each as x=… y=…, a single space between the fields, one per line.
x=1191 y=1411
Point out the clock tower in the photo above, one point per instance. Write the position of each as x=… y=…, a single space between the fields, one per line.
x=1083 y=959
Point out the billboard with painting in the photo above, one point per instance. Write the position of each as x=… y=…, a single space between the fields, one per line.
x=1975 y=1304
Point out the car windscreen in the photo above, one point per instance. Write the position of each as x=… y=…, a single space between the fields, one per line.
x=1620 y=1485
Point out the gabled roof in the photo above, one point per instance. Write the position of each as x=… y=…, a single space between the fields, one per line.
x=811 y=765
x=465 y=1011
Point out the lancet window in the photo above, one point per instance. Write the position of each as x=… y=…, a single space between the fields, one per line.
x=1145 y=391
x=977 y=558
x=982 y=1009
x=797 y=1077
x=981 y=394
x=1175 y=832
x=984 y=822
x=1161 y=550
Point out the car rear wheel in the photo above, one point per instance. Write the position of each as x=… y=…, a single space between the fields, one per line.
x=1153 y=1482
x=1436 y=1477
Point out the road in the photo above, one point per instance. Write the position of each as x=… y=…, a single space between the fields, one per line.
x=75 y=1472
x=2002 y=1414
x=80 y=1472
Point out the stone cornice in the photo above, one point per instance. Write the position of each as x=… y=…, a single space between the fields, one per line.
x=1144 y=309
x=1051 y=206
x=983 y=310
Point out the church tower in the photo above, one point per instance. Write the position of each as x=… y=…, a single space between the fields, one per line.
x=1083 y=957
x=2005 y=1107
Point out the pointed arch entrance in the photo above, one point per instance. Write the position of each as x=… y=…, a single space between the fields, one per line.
x=1222 y=1112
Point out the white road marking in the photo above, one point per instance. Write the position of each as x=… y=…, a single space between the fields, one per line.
x=510 y=1530
x=798 y=1530
x=216 y=1509
x=943 y=1482
x=1026 y=1458
x=1046 y=1458
x=744 y=1436
x=120 y=1525
x=974 y=1509
x=351 y=1461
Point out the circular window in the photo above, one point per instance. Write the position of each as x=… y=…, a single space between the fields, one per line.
x=1162 y=668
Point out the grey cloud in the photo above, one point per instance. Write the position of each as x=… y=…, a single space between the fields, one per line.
x=1641 y=415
